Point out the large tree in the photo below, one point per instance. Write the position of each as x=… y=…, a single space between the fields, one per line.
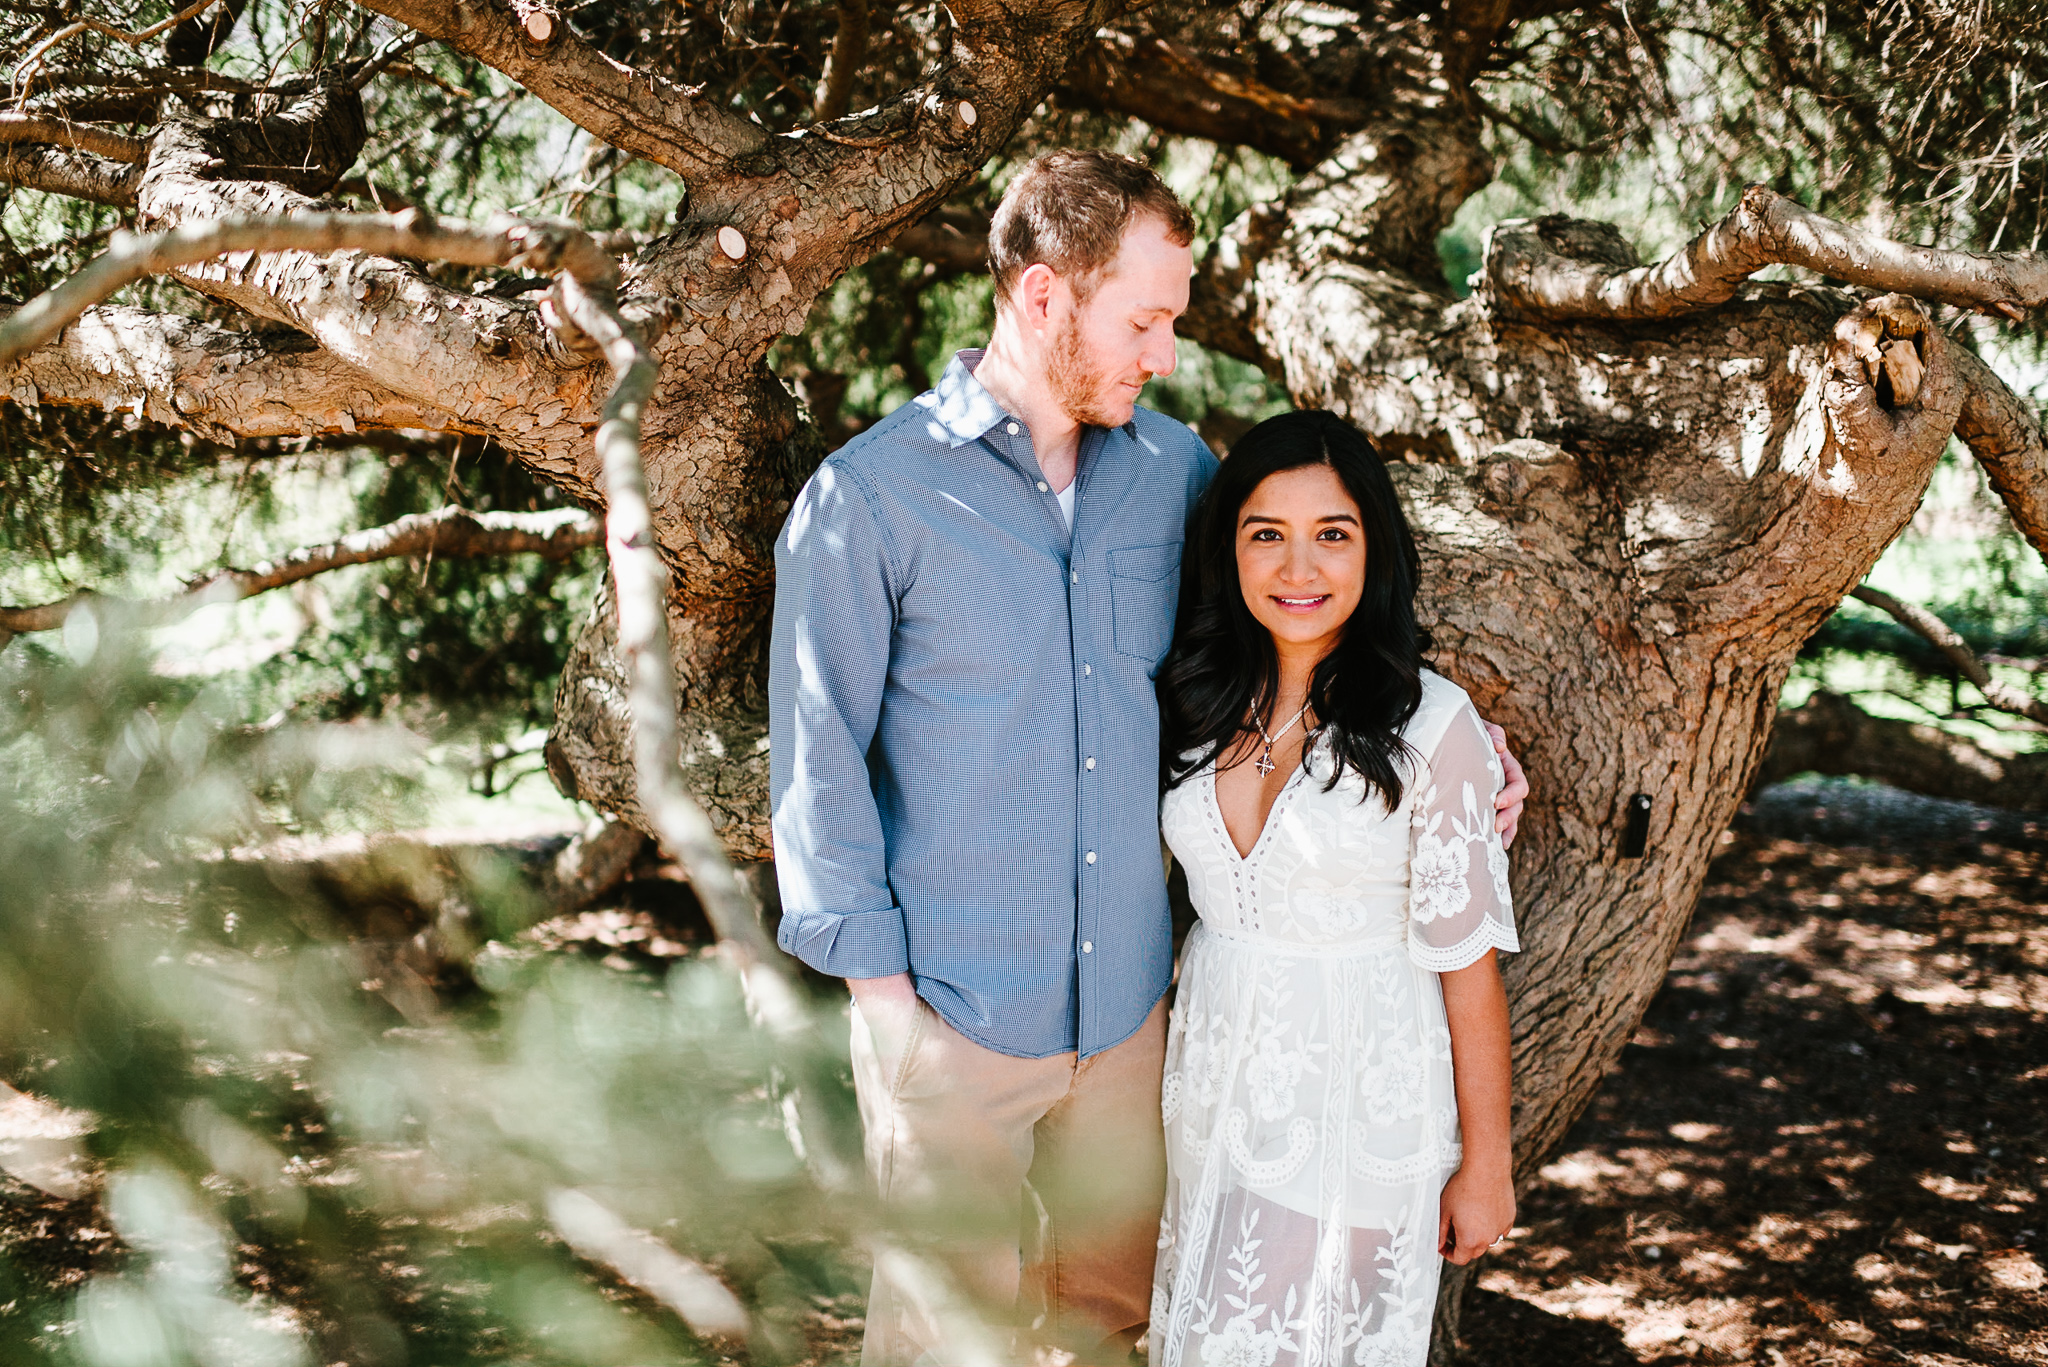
x=1640 y=488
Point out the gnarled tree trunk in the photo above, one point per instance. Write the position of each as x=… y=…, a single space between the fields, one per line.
x=1639 y=490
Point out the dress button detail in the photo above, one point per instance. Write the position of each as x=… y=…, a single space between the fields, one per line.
x=1091 y=856
x=1091 y=761
x=1086 y=670
x=1012 y=430
x=1087 y=946
x=1043 y=487
x=1073 y=576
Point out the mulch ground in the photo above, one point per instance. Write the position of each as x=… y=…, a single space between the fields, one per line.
x=1828 y=1142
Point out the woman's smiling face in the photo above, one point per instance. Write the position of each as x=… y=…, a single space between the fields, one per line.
x=1301 y=557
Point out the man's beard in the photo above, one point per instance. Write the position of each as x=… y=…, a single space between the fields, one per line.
x=1079 y=389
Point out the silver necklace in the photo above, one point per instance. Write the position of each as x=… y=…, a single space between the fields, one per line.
x=1265 y=764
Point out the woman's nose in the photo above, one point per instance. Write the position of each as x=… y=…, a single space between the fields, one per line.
x=1300 y=565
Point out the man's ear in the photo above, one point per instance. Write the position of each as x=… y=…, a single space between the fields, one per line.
x=1034 y=296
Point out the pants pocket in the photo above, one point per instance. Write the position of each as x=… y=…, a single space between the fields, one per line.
x=911 y=1037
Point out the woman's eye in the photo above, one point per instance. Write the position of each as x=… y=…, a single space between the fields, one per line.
x=1265 y=534
x=1333 y=534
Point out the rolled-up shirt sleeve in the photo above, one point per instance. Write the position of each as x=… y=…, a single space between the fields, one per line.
x=835 y=605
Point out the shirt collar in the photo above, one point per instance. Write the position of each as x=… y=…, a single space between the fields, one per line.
x=966 y=411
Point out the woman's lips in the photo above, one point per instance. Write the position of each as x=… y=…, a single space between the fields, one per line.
x=1301 y=605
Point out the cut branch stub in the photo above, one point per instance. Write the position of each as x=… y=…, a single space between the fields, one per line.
x=733 y=243
x=540 y=23
x=1890 y=380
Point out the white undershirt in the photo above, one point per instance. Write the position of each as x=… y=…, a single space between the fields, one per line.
x=1066 y=501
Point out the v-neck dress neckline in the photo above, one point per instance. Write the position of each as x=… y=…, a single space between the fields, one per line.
x=1246 y=859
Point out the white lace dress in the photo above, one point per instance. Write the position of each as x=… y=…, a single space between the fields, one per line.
x=1310 y=1118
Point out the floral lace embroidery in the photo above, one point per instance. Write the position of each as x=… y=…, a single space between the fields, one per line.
x=1311 y=1118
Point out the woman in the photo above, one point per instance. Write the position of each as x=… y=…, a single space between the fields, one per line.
x=1336 y=1094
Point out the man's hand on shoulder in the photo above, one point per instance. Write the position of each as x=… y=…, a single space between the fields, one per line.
x=1508 y=805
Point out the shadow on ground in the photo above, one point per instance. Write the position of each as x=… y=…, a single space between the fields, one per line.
x=1826 y=1144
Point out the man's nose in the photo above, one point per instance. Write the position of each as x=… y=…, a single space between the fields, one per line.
x=1158 y=355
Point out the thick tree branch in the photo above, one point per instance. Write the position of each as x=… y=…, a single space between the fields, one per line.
x=446 y=534
x=1529 y=274
x=305 y=142
x=1830 y=734
x=193 y=41
x=60 y=132
x=493 y=364
x=670 y=125
x=221 y=383
x=133 y=257
x=1179 y=91
x=60 y=171
x=842 y=63
x=2004 y=434
x=1942 y=637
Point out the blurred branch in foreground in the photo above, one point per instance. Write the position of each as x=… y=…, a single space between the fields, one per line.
x=643 y=1105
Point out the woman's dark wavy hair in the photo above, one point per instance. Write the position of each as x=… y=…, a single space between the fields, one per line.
x=1222 y=670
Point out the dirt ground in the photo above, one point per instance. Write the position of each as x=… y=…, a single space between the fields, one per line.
x=1827 y=1144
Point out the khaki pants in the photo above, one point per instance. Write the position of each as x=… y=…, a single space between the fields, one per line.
x=1037 y=1183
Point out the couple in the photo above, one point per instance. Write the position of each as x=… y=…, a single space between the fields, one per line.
x=974 y=599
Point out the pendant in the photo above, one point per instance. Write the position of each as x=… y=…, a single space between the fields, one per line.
x=1265 y=764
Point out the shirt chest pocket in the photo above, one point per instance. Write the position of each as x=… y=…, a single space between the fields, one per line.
x=1144 y=583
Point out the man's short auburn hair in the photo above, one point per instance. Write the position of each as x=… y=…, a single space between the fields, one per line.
x=1069 y=210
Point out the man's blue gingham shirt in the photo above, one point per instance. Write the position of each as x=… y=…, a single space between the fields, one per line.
x=965 y=740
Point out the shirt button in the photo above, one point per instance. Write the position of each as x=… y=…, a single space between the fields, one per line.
x=1091 y=856
x=1087 y=946
x=1012 y=430
x=1073 y=576
x=1043 y=487
x=1086 y=670
x=1091 y=761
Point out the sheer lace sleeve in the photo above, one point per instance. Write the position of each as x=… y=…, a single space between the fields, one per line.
x=1458 y=904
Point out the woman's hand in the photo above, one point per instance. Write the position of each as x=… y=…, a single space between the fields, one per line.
x=1478 y=1208
x=1479 y=1200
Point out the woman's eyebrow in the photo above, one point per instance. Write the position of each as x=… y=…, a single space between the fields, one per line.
x=1250 y=518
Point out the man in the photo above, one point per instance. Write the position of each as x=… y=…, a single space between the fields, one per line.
x=972 y=599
